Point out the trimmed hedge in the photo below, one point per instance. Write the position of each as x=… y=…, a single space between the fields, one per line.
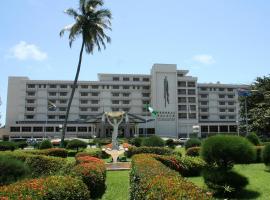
x=266 y=155
x=93 y=173
x=153 y=141
x=76 y=144
x=7 y=146
x=193 y=151
x=150 y=179
x=253 y=138
x=57 y=152
x=137 y=141
x=152 y=150
x=259 y=151
x=193 y=142
x=11 y=170
x=45 y=144
x=53 y=187
x=94 y=152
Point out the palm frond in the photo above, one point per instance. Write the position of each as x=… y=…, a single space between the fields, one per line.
x=71 y=12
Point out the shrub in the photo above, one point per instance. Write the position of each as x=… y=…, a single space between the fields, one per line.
x=57 y=152
x=44 y=165
x=6 y=145
x=266 y=155
x=53 y=187
x=193 y=142
x=93 y=173
x=153 y=141
x=253 y=138
x=259 y=150
x=224 y=150
x=193 y=151
x=45 y=144
x=72 y=153
x=152 y=150
x=11 y=170
x=102 y=141
x=170 y=143
x=137 y=141
x=150 y=179
x=76 y=144
x=21 y=144
x=221 y=152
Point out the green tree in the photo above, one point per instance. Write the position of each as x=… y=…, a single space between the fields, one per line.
x=91 y=22
x=258 y=107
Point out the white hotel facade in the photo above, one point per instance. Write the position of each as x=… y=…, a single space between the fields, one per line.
x=180 y=100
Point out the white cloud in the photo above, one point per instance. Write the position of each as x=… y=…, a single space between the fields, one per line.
x=204 y=59
x=25 y=51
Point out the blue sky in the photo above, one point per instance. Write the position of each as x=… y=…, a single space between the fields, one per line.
x=217 y=40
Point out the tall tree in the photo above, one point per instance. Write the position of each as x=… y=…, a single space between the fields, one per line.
x=91 y=22
x=258 y=106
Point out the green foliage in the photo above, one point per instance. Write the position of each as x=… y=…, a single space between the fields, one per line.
x=193 y=151
x=76 y=144
x=253 y=138
x=7 y=146
x=44 y=165
x=94 y=152
x=224 y=181
x=193 y=142
x=151 y=150
x=150 y=180
x=224 y=150
x=57 y=152
x=137 y=141
x=153 y=141
x=266 y=155
x=259 y=150
x=21 y=144
x=45 y=144
x=11 y=170
x=170 y=143
x=48 y=188
x=102 y=141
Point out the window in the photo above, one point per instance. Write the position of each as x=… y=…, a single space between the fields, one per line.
x=115 y=78
x=115 y=94
x=145 y=102
x=182 y=107
x=221 y=103
x=221 y=89
x=51 y=116
x=204 y=109
x=222 y=110
x=231 y=109
x=26 y=129
x=94 y=101
x=136 y=79
x=126 y=87
x=30 y=86
x=192 y=115
x=37 y=129
x=204 y=117
x=84 y=101
x=95 y=94
x=71 y=129
x=231 y=117
x=29 y=116
x=82 y=129
x=30 y=101
x=63 y=86
x=191 y=84
x=182 y=91
x=63 y=94
x=49 y=129
x=125 y=78
x=115 y=109
x=83 y=116
x=126 y=109
x=203 y=103
x=84 y=94
x=222 y=117
x=181 y=84
x=146 y=87
x=204 y=129
x=83 y=109
x=94 y=109
x=52 y=86
x=182 y=115
x=84 y=86
x=230 y=89
x=62 y=108
x=145 y=79
x=125 y=102
x=94 y=86
x=192 y=107
x=182 y=100
x=15 y=129
x=52 y=93
x=63 y=101
x=204 y=96
x=192 y=99
x=115 y=87
x=203 y=89
x=126 y=94
x=145 y=94
x=231 y=103
x=31 y=93
x=230 y=96
x=115 y=102
x=221 y=96
x=30 y=109
x=191 y=92
x=62 y=116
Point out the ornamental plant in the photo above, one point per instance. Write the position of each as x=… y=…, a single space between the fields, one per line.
x=152 y=150
x=193 y=142
x=7 y=146
x=253 y=138
x=193 y=151
x=266 y=155
x=45 y=144
x=153 y=141
x=76 y=144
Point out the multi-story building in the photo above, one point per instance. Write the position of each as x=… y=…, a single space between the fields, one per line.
x=181 y=102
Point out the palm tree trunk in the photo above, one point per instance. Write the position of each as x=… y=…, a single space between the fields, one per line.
x=72 y=95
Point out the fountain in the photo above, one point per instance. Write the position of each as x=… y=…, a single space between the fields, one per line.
x=115 y=119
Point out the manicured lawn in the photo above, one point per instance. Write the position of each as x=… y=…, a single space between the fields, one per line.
x=117 y=183
x=259 y=180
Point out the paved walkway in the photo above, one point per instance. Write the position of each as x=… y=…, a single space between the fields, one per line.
x=118 y=166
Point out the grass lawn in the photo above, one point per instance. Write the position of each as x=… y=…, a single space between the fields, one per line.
x=117 y=183
x=259 y=179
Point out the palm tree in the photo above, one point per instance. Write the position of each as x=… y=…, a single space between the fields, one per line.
x=91 y=22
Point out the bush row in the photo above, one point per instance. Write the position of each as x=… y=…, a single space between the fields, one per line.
x=94 y=152
x=150 y=179
x=152 y=150
x=57 y=152
x=52 y=187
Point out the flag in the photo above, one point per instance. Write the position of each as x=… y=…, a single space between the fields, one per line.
x=151 y=110
x=51 y=106
x=244 y=93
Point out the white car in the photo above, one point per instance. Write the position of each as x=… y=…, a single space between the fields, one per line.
x=183 y=140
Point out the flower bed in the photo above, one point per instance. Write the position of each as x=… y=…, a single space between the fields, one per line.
x=150 y=179
x=53 y=187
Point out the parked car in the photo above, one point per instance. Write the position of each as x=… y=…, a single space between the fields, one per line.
x=183 y=140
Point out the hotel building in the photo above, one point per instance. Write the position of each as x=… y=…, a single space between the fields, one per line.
x=180 y=100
